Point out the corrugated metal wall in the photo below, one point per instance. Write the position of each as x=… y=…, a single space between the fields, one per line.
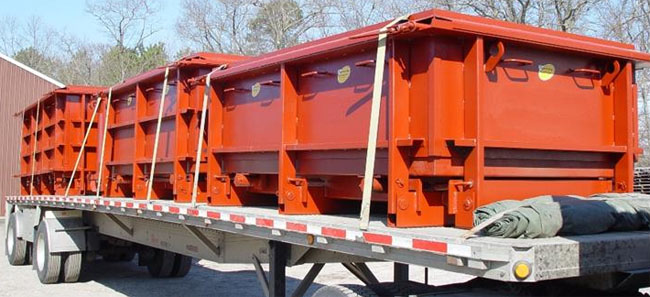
x=18 y=88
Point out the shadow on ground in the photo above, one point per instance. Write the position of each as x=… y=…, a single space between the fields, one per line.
x=129 y=279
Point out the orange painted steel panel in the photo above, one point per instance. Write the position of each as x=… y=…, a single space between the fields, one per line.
x=472 y=111
x=133 y=116
x=63 y=120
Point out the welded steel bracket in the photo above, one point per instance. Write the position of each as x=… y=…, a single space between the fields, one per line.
x=362 y=272
x=306 y=282
x=120 y=224
x=203 y=239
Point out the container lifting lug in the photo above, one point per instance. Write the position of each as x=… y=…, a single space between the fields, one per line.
x=456 y=188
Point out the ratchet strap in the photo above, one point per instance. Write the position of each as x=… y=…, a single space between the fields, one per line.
x=83 y=146
x=35 y=143
x=368 y=176
x=155 y=143
x=103 y=147
x=199 y=147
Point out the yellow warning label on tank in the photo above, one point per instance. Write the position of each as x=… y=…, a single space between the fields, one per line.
x=546 y=71
x=255 y=89
x=343 y=74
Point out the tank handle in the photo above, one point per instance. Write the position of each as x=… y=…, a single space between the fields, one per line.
x=594 y=73
x=315 y=73
x=270 y=83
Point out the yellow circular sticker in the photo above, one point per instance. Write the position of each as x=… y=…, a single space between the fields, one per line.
x=546 y=71
x=343 y=74
x=255 y=89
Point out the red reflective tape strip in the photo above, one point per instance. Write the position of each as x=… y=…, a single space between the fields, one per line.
x=378 y=238
x=118 y=204
x=213 y=215
x=129 y=204
x=333 y=232
x=296 y=227
x=264 y=222
x=142 y=206
x=174 y=209
x=237 y=218
x=157 y=207
x=107 y=203
x=433 y=246
x=193 y=211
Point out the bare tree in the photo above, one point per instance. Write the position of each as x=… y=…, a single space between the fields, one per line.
x=282 y=23
x=218 y=26
x=518 y=11
x=128 y=22
x=569 y=12
x=10 y=36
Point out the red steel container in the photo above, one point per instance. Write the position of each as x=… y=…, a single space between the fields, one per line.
x=473 y=111
x=58 y=121
x=133 y=118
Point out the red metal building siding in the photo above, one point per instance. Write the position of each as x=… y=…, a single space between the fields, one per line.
x=18 y=88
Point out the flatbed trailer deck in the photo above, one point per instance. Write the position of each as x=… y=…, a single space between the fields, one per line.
x=165 y=225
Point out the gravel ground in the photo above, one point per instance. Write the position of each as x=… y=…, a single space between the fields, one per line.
x=101 y=279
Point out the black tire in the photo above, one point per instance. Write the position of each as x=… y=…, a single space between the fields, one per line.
x=15 y=248
x=127 y=256
x=182 y=265
x=46 y=264
x=162 y=264
x=112 y=257
x=403 y=288
x=345 y=291
x=72 y=267
x=118 y=257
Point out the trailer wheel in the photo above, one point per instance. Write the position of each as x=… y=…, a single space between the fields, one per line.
x=345 y=291
x=182 y=265
x=127 y=256
x=47 y=265
x=118 y=257
x=72 y=267
x=16 y=248
x=162 y=264
x=402 y=288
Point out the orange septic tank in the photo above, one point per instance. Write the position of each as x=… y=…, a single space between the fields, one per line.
x=472 y=111
x=52 y=136
x=133 y=117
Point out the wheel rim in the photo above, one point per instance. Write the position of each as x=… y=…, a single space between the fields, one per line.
x=10 y=240
x=40 y=252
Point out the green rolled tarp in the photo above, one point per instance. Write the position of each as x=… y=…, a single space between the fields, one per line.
x=551 y=215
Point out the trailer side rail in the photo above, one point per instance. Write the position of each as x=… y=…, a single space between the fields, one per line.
x=437 y=247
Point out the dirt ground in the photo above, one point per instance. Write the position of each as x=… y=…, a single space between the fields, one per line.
x=206 y=278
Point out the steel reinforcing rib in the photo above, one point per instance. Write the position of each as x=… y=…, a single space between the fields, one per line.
x=103 y=147
x=199 y=147
x=83 y=146
x=368 y=176
x=31 y=182
x=155 y=143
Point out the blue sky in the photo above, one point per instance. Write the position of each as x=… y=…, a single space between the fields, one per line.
x=70 y=16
